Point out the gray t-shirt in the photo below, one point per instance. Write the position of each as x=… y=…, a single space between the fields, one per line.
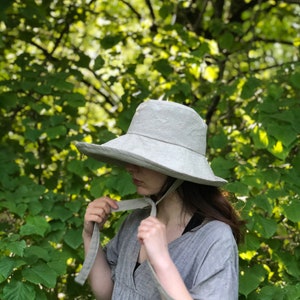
x=206 y=257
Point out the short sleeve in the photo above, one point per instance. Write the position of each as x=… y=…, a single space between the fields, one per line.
x=217 y=277
x=213 y=267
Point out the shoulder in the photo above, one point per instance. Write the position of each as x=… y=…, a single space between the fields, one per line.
x=220 y=229
x=217 y=247
x=216 y=235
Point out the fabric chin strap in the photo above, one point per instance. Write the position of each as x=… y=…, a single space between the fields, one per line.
x=123 y=206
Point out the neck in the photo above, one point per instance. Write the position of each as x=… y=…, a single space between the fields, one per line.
x=171 y=211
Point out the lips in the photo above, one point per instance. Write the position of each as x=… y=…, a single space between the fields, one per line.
x=136 y=181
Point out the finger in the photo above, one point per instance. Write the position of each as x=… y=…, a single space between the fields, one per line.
x=106 y=202
x=151 y=223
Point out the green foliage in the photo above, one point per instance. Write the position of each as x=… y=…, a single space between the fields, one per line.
x=76 y=70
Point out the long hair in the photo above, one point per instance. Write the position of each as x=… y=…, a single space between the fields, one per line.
x=209 y=203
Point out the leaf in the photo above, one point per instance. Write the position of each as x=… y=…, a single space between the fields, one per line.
x=7 y=265
x=43 y=89
x=35 y=207
x=40 y=274
x=4 y=5
x=264 y=226
x=295 y=80
x=32 y=134
x=58 y=262
x=165 y=9
x=56 y=132
x=18 y=290
x=226 y=40
x=222 y=167
x=202 y=50
x=98 y=187
x=61 y=213
x=8 y=100
x=35 y=225
x=219 y=141
x=267 y=105
x=84 y=60
x=74 y=100
x=271 y=292
x=260 y=138
x=249 y=88
x=76 y=167
x=111 y=40
x=250 y=279
x=237 y=188
x=73 y=238
x=292 y=210
x=36 y=252
x=99 y=63
x=17 y=247
x=74 y=205
x=253 y=180
x=19 y=209
x=293 y=291
x=251 y=243
x=121 y=183
x=278 y=150
x=163 y=67
x=271 y=175
x=28 y=192
x=290 y=263
x=283 y=133
x=264 y=202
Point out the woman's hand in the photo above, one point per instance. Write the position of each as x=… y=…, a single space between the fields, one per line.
x=152 y=235
x=97 y=211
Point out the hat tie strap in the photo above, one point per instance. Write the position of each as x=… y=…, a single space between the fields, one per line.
x=122 y=206
x=94 y=244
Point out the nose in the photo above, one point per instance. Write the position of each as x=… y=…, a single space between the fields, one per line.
x=131 y=168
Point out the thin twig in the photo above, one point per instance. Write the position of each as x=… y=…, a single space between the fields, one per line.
x=139 y=16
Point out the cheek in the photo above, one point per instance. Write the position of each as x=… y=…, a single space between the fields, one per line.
x=159 y=183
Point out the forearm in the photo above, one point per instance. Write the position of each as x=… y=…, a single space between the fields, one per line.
x=170 y=279
x=100 y=274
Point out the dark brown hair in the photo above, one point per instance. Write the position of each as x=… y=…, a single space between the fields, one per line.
x=208 y=202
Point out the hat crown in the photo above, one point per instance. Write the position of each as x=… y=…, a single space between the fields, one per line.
x=171 y=123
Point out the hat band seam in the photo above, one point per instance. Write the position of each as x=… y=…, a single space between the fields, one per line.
x=165 y=142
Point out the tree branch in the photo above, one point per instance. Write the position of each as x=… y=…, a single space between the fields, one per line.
x=272 y=41
x=45 y=52
x=62 y=33
x=200 y=16
x=291 y=1
x=154 y=26
x=139 y=16
x=102 y=92
x=217 y=98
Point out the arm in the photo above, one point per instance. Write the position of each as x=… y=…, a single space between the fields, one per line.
x=216 y=265
x=100 y=275
x=152 y=235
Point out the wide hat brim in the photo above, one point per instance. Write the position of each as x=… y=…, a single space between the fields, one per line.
x=169 y=159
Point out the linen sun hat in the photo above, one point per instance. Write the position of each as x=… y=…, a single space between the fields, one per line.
x=163 y=136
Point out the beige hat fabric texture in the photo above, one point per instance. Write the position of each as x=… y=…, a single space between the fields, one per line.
x=163 y=136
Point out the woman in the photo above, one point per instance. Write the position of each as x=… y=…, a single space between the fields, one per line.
x=185 y=247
